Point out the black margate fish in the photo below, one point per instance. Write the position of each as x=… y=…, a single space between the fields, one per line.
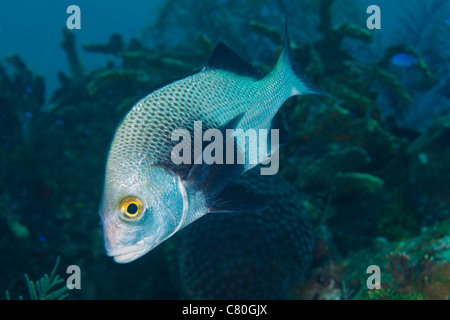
x=147 y=197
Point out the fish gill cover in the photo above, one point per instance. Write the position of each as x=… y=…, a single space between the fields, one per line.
x=363 y=181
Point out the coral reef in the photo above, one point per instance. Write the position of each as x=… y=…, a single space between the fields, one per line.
x=251 y=255
x=426 y=280
x=398 y=219
x=413 y=269
x=369 y=166
x=422 y=32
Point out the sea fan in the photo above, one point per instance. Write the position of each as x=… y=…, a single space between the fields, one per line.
x=428 y=106
x=423 y=25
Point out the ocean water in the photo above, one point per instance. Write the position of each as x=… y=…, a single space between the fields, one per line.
x=364 y=180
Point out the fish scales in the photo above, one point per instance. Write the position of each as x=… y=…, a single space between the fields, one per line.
x=147 y=197
x=212 y=96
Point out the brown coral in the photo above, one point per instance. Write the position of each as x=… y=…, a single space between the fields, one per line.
x=402 y=274
x=429 y=278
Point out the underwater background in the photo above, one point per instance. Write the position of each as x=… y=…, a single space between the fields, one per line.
x=365 y=179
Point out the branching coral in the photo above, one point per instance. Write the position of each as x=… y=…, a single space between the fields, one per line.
x=427 y=277
x=68 y=44
x=402 y=273
x=114 y=45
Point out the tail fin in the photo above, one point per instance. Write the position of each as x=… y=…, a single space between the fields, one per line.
x=286 y=65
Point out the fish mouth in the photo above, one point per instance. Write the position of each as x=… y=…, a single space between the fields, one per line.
x=128 y=253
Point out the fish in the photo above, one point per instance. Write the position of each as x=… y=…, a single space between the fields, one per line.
x=147 y=198
x=250 y=255
x=403 y=60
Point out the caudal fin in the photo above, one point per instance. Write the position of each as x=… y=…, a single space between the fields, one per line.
x=291 y=72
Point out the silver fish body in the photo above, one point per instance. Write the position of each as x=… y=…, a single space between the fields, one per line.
x=146 y=197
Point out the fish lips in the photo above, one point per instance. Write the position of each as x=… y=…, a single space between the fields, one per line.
x=128 y=253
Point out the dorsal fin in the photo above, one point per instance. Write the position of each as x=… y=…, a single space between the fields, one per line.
x=226 y=59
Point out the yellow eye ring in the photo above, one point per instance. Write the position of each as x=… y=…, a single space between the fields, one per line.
x=131 y=208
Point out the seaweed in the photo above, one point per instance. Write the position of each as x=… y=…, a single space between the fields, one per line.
x=44 y=288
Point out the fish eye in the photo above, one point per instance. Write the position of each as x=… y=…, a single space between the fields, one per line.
x=131 y=208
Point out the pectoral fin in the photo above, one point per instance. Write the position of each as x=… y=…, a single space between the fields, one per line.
x=238 y=199
x=204 y=173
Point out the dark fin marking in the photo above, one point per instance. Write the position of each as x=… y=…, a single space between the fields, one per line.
x=237 y=199
x=198 y=172
x=226 y=59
